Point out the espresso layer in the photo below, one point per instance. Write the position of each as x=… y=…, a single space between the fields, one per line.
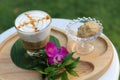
x=31 y=46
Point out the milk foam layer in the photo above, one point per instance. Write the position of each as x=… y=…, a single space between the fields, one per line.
x=39 y=17
x=27 y=31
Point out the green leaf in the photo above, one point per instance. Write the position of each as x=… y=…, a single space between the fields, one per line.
x=72 y=72
x=55 y=40
x=68 y=62
x=68 y=57
x=73 y=64
x=39 y=70
x=57 y=76
x=52 y=74
x=20 y=58
x=64 y=76
x=50 y=69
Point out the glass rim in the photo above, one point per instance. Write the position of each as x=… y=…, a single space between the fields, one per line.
x=39 y=30
x=83 y=20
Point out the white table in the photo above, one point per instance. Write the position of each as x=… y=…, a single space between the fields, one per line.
x=111 y=74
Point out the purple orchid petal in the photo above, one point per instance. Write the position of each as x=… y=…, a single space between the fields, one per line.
x=63 y=51
x=50 y=60
x=51 y=49
x=58 y=59
x=54 y=54
x=55 y=60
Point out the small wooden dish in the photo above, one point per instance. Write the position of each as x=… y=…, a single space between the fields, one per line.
x=91 y=66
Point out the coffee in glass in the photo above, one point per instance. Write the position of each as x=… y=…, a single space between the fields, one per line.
x=34 y=28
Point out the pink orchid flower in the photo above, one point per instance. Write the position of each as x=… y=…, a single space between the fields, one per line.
x=54 y=54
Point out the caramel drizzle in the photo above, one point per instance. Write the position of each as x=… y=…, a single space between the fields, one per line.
x=32 y=22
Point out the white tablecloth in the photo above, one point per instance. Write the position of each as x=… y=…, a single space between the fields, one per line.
x=111 y=74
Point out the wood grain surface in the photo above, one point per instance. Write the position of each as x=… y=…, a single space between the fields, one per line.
x=91 y=66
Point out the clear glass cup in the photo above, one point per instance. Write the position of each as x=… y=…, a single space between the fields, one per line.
x=33 y=28
x=83 y=46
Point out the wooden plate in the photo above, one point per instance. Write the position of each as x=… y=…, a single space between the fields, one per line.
x=91 y=66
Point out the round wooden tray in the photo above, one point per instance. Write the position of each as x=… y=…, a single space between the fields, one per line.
x=91 y=66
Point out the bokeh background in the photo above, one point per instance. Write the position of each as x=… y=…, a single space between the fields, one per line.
x=107 y=11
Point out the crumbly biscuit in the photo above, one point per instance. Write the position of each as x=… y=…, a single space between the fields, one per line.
x=88 y=29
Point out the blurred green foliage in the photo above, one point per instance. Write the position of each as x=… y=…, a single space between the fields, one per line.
x=107 y=11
